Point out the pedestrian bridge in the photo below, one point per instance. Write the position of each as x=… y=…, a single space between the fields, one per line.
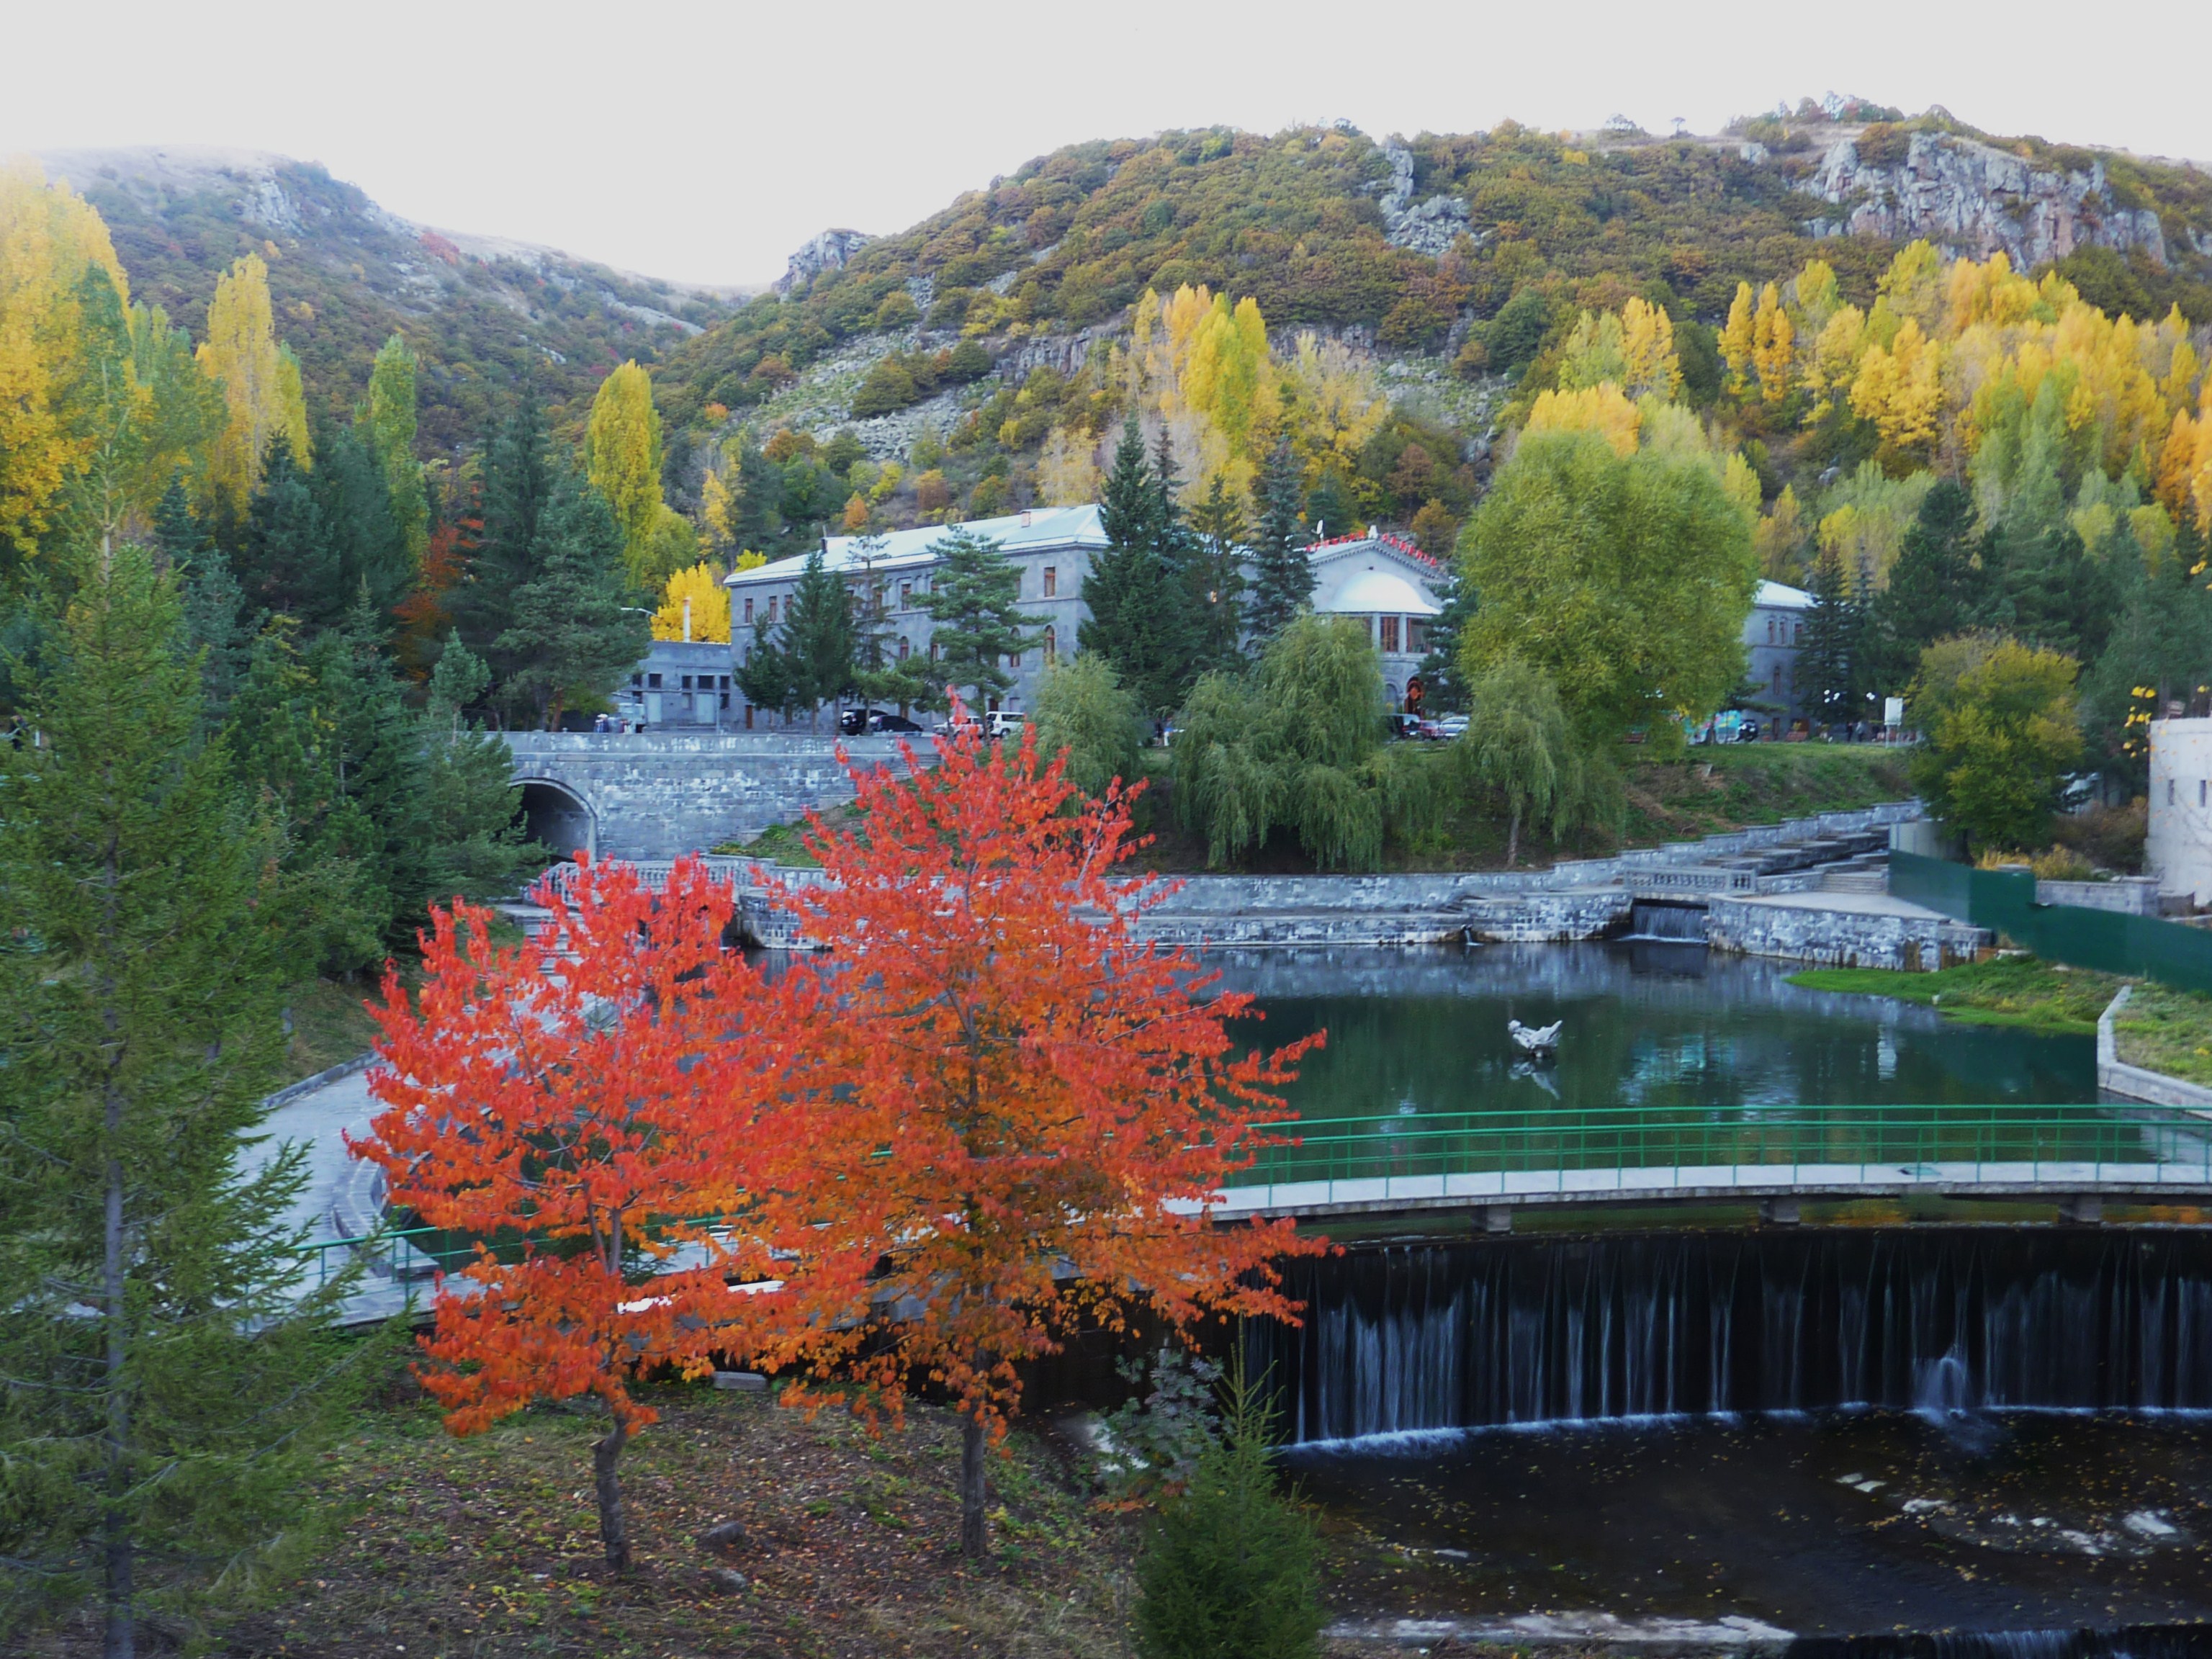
x=1493 y=1162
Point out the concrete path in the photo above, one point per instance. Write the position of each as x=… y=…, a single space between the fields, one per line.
x=1843 y=903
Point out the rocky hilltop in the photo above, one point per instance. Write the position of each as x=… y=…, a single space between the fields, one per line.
x=1972 y=198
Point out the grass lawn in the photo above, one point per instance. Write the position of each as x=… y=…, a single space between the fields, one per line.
x=2017 y=990
x=2163 y=1029
x=329 y=1025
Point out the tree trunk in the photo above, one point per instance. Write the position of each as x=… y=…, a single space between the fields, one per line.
x=614 y=1531
x=1513 y=838
x=121 y=1639
x=975 y=1528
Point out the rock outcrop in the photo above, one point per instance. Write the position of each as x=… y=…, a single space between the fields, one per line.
x=1430 y=225
x=827 y=252
x=1972 y=198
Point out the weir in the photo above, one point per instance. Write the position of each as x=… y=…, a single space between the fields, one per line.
x=1576 y=1329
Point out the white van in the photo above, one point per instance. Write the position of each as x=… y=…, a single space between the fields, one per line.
x=1005 y=723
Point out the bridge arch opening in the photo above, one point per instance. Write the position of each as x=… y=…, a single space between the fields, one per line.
x=559 y=818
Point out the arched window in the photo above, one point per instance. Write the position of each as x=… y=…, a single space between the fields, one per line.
x=905 y=647
x=1013 y=659
x=1051 y=645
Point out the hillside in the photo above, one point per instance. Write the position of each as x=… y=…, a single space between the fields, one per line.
x=345 y=273
x=1445 y=263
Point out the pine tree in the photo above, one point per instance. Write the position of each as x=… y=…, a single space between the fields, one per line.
x=519 y=482
x=287 y=563
x=1214 y=571
x=458 y=683
x=973 y=602
x=1138 y=611
x=1934 y=586
x=1442 y=688
x=166 y=1441
x=1328 y=508
x=369 y=553
x=1282 y=578
x=574 y=633
x=817 y=634
x=1827 y=660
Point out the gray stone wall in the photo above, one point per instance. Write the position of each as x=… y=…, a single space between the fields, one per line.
x=657 y=794
x=1840 y=938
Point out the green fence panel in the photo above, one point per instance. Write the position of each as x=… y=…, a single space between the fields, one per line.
x=2003 y=900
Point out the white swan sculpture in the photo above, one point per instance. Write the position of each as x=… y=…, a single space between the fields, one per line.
x=1539 y=1041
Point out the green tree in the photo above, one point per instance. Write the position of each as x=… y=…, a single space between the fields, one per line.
x=2002 y=733
x=1626 y=578
x=387 y=421
x=1282 y=574
x=1231 y=1569
x=287 y=564
x=1140 y=617
x=518 y=485
x=575 y=633
x=817 y=637
x=1443 y=685
x=1519 y=743
x=1082 y=710
x=458 y=683
x=1296 y=745
x=972 y=604
x=169 y=1379
x=1828 y=666
x=1213 y=573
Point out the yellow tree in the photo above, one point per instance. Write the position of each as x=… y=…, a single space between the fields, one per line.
x=1600 y=408
x=262 y=395
x=1774 y=346
x=1738 y=340
x=622 y=441
x=1900 y=390
x=694 y=605
x=716 y=503
x=50 y=241
x=1647 y=352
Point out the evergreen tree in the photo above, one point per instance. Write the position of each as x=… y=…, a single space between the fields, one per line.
x=1442 y=688
x=287 y=564
x=1328 y=507
x=817 y=635
x=519 y=484
x=1231 y=1570
x=973 y=600
x=368 y=549
x=168 y=1378
x=1214 y=570
x=212 y=602
x=458 y=683
x=2049 y=589
x=1934 y=585
x=1827 y=660
x=1282 y=577
x=575 y=633
x=1139 y=612
x=766 y=676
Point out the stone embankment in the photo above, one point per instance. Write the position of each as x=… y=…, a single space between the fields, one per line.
x=2116 y=1076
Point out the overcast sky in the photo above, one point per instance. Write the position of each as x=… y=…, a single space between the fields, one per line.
x=704 y=141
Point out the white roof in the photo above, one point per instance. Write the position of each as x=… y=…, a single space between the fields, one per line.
x=1773 y=596
x=1379 y=592
x=1043 y=527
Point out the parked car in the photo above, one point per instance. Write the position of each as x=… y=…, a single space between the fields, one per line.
x=882 y=720
x=1450 y=727
x=1005 y=723
x=853 y=721
x=1404 y=726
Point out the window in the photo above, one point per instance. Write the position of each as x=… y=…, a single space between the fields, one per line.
x=906 y=596
x=637 y=679
x=748 y=610
x=2200 y=791
x=1051 y=582
x=771 y=611
x=1389 y=635
x=1013 y=659
x=904 y=648
x=1051 y=637
x=1796 y=633
x=1417 y=635
x=652 y=681
x=2169 y=791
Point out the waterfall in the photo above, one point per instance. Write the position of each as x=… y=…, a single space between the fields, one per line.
x=1941 y=1321
x=2130 y=1642
x=1675 y=923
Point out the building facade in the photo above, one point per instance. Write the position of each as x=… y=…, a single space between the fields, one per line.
x=1051 y=548
x=1773 y=634
x=683 y=686
x=1389 y=586
x=2178 y=849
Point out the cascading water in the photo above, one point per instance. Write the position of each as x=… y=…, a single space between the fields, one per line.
x=1674 y=923
x=1939 y=1319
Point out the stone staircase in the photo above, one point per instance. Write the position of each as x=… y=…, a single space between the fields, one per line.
x=1867 y=873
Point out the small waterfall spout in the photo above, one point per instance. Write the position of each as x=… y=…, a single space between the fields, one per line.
x=1674 y=923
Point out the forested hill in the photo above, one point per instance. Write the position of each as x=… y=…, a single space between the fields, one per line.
x=1417 y=241
x=345 y=275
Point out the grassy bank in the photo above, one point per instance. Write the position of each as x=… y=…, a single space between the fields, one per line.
x=488 y=1547
x=2020 y=991
x=1709 y=792
x=329 y=1025
x=2163 y=1029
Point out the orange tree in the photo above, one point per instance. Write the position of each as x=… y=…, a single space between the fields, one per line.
x=1034 y=1106
x=548 y=1100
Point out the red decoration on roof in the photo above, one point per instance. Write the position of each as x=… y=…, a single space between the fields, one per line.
x=1398 y=541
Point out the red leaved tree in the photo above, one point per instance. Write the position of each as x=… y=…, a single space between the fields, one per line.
x=1034 y=1106
x=549 y=1098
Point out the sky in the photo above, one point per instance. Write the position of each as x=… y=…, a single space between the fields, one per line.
x=703 y=143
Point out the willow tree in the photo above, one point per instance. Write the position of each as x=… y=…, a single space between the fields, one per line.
x=260 y=379
x=1519 y=743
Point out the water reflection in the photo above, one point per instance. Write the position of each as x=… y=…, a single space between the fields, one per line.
x=1647 y=1023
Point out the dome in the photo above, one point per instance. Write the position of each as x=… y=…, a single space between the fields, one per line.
x=1384 y=592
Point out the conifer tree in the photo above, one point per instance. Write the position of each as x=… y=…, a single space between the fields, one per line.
x=1328 y=509
x=973 y=602
x=1934 y=586
x=576 y=632
x=1282 y=577
x=288 y=564
x=817 y=634
x=168 y=1379
x=1828 y=666
x=1213 y=571
x=1138 y=613
x=1443 y=690
x=519 y=480
x=213 y=601
x=459 y=681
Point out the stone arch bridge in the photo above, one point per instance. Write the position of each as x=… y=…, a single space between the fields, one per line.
x=657 y=795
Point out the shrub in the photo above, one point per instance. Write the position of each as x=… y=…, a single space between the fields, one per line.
x=1082 y=708
x=2001 y=733
x=889 y=388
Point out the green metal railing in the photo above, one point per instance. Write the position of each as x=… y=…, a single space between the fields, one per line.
x=1670 y=1144
x=404 y=1253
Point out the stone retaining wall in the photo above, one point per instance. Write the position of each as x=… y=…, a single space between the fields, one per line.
x=2116 y=1076
x=1841 y=939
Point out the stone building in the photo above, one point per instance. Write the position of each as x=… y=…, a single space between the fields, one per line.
x=1773 y=634
x=682 y=685
x=1389 y=586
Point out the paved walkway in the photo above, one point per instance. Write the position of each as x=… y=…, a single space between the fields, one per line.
x=1844 y=904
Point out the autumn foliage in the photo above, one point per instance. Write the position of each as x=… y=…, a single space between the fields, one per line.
x=560 y=1095
x=990 y=1119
